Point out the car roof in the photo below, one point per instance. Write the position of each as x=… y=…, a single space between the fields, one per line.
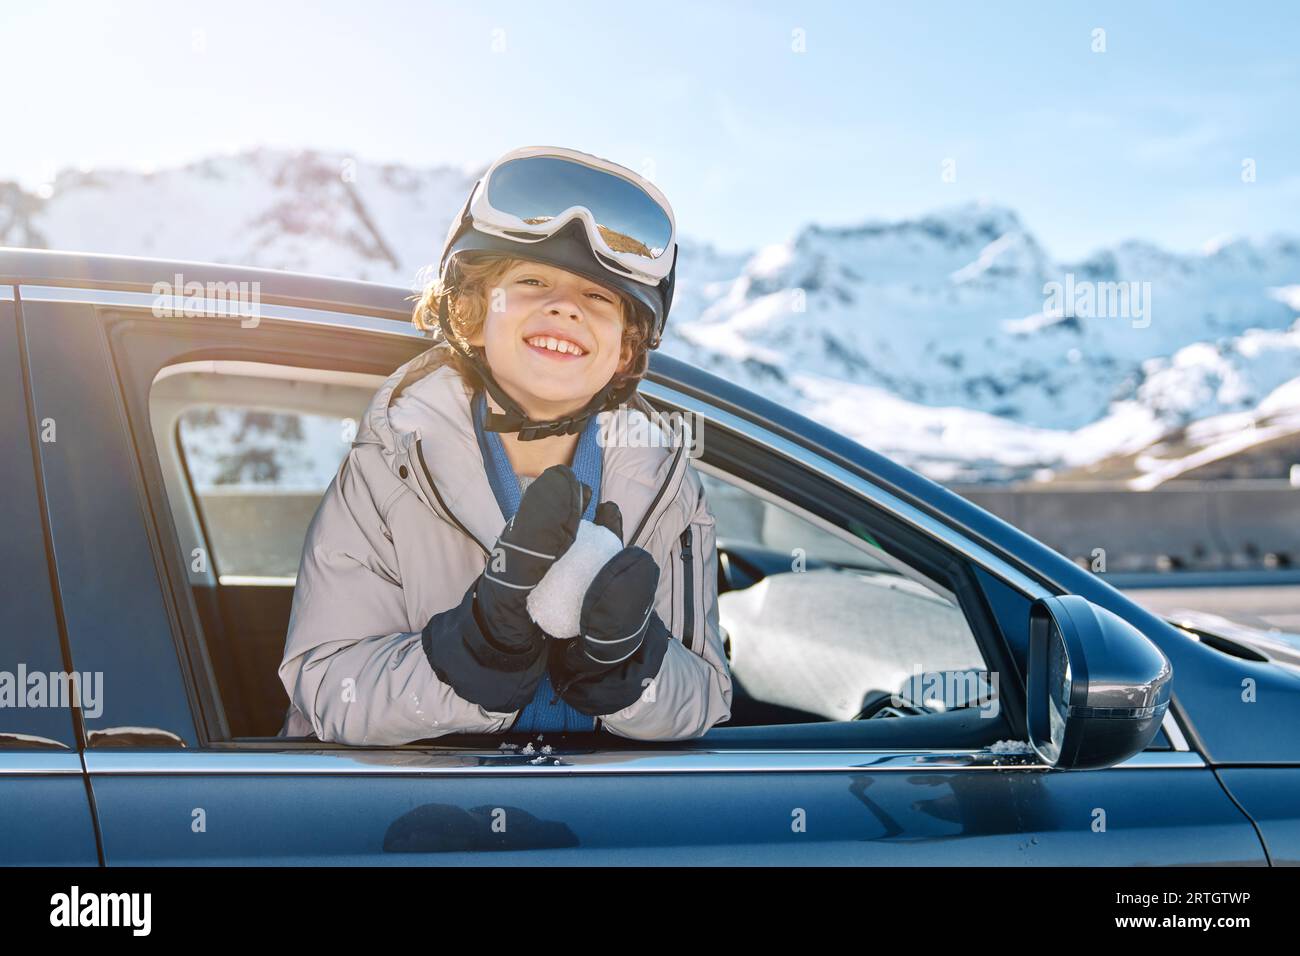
x=87 y=270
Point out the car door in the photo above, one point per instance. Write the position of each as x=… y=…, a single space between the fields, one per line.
x=172 y=782
x=978 y=809
x=45 y=815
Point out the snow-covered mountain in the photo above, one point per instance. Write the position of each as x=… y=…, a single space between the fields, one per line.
x=934 y=339
x=953 y=341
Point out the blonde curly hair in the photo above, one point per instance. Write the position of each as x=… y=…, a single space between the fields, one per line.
x=468 y=287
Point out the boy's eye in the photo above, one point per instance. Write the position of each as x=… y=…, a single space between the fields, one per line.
x=599 y=295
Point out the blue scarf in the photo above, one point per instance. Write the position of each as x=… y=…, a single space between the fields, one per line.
x=546 y=711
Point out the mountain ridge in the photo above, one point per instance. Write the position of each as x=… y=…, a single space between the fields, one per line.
x=940 y=327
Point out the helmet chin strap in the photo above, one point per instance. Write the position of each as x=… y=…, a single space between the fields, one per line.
x=515 y=419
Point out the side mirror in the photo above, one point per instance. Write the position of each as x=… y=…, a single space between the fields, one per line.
x=1098 y=687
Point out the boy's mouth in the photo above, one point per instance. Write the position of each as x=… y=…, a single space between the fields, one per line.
x=554 y=348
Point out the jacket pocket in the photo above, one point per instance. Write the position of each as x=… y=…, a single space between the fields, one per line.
x=690 y=589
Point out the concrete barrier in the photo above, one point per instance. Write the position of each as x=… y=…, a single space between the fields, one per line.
x=1178 y=526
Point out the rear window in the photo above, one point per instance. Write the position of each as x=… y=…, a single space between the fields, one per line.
x=258 y=476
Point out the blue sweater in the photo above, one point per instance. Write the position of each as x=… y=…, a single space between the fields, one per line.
x=546 y=711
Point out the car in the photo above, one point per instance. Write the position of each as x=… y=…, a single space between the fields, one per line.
x=915 y=681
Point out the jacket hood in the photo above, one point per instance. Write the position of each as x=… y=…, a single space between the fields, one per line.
x=643 y=464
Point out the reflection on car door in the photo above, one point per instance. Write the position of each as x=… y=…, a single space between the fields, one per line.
x=45 y=816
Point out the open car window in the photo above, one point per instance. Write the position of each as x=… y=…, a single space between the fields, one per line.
x=829 y=620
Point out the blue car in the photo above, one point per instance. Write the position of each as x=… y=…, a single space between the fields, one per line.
x=915 y=681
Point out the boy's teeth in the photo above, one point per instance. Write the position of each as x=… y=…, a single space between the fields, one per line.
x=555 y=345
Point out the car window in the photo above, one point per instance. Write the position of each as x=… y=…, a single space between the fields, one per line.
x=835 y=623
x=247 y=451
x=745 y=518
x=258 y=475
x=823 y=622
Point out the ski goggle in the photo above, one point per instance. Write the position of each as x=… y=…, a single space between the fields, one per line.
x=530 y=193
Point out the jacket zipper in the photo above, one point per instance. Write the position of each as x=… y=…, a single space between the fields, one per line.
x=654 y=504
x=688 y=599
x=419 y=453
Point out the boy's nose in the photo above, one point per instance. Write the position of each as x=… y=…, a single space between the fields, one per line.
x=564 y=306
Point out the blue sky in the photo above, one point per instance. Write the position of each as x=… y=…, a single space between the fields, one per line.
x=749 y=139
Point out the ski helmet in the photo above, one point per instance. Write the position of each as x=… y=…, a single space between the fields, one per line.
x=579 y=213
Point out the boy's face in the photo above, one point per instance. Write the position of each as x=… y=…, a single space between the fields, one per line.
x=532 y=300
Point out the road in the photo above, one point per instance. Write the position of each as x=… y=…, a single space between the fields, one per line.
x=1266 y=607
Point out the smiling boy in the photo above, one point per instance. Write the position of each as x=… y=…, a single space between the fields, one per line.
x=472 y=469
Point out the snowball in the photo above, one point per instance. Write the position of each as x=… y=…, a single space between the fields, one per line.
x=556 y=603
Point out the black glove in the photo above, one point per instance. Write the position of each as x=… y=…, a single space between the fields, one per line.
x=621 y=641
x=487 y=647
x=541 y=531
